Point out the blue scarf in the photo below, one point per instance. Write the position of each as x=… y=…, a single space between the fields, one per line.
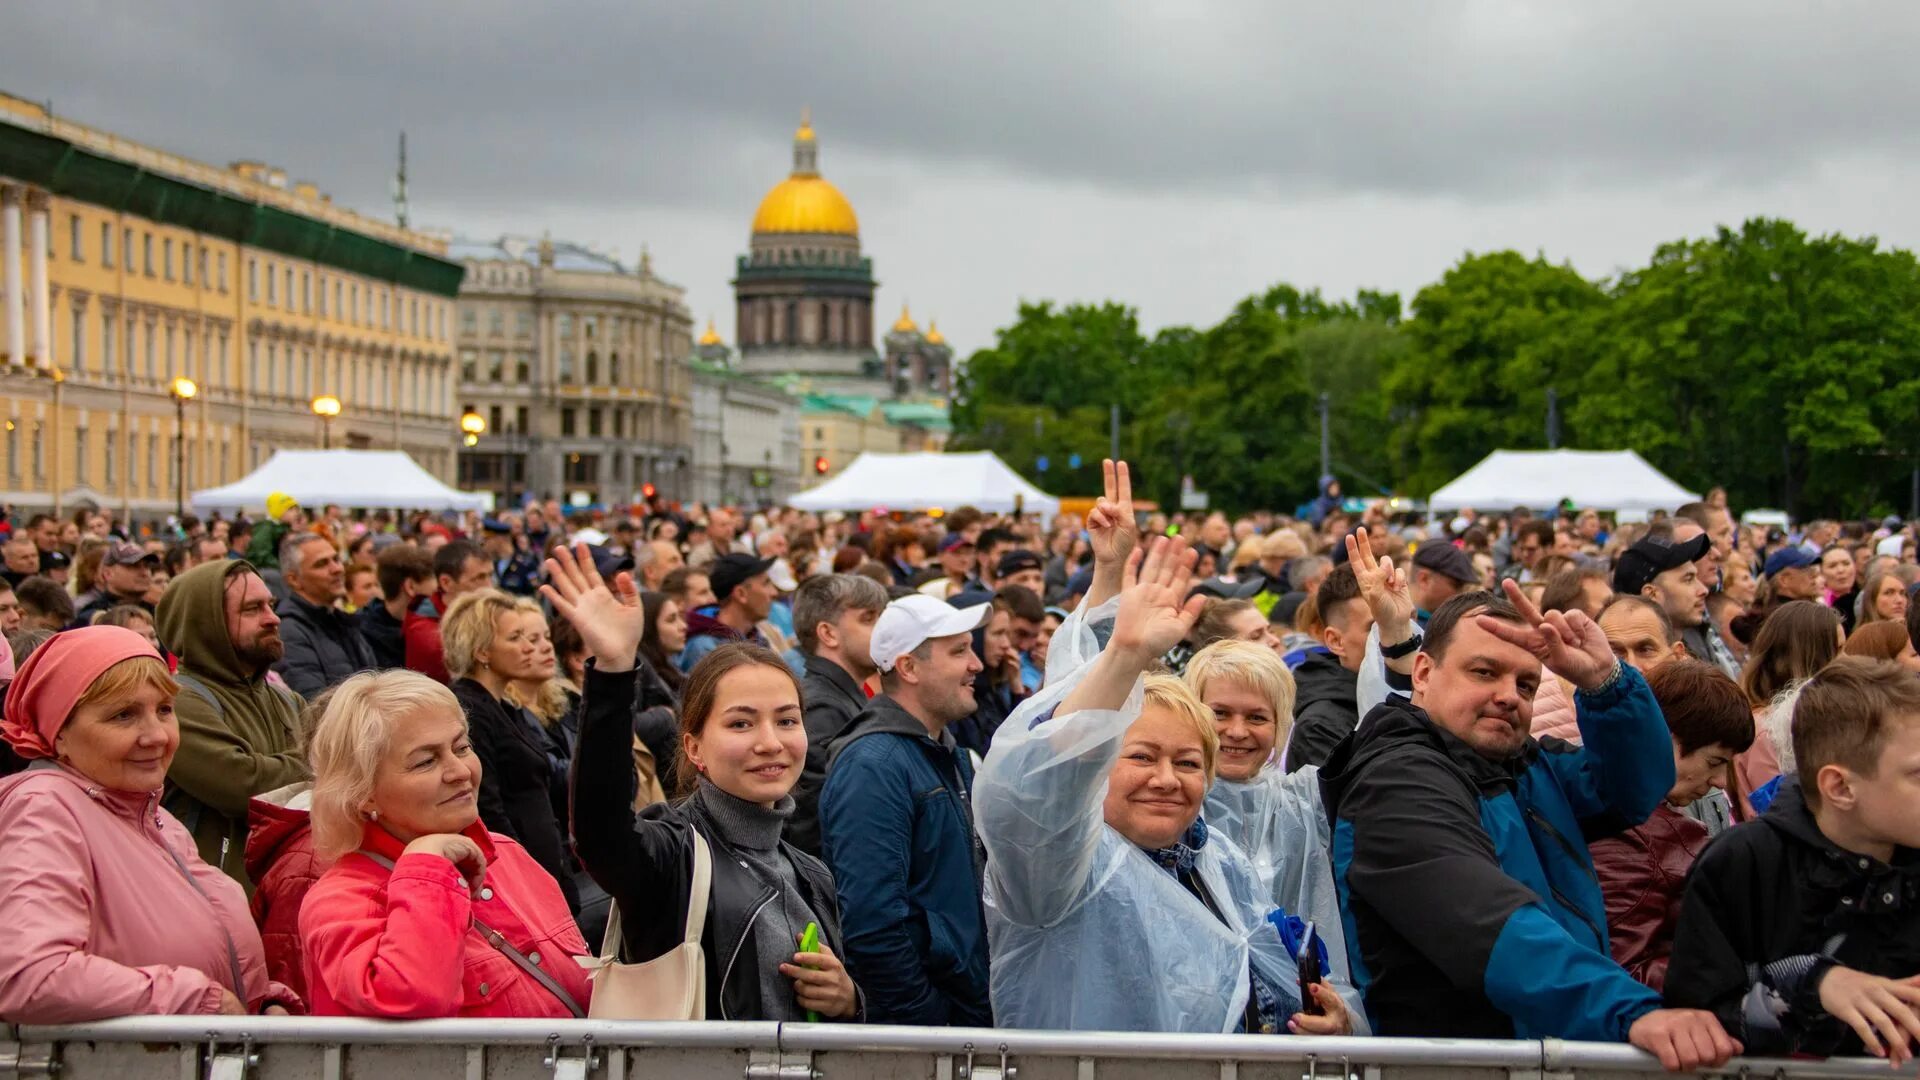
x=1179 y=859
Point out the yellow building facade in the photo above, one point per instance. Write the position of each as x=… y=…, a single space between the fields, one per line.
x=127 y=273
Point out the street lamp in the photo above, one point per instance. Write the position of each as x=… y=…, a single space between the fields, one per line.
x=326 y=407
x=473 y=425
x=183 y=391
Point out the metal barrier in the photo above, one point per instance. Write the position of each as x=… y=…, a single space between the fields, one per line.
x=310 y=1048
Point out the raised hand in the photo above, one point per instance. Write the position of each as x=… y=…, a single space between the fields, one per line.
x=610 y=619
x=1384 y=588
x=1568 y=642
x=1155 y=612
x=1112 y=530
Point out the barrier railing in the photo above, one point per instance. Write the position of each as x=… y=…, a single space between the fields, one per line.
x=312 y=1048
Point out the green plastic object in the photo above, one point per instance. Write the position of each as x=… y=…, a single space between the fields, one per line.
x=810 y=942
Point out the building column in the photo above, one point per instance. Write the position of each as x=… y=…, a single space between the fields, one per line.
x=41 y=354
x=14 y=312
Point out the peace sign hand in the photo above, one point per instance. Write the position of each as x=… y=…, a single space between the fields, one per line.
x=1383 y=587
x=1111 y=529
x=1569 y=643
x=610 y=619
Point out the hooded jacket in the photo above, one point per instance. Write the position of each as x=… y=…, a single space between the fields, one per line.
x=383 y=633
x=1471 y=904
x=832 y=700
x=110 y=913
x=280 y=858
x=1325 y=710
x=324 y=648
x=896 y=826
x=705 y=633
x=1770 y=907
x=238 y=732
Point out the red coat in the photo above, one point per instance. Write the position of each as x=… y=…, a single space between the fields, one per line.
x=421 y=633
x=400 y=944
x=1643 y=873
x=281 y=863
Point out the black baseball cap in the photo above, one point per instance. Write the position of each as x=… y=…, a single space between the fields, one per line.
x=1653 y=556
x=728 y=571
x=1230 y=586
x=1017 y=560
x=1441 y=557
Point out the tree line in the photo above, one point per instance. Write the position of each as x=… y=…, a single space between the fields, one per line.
x=1781 y=366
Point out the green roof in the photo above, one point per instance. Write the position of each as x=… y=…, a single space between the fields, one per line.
x=855 y=404
x=76 y=173
x=918 y=413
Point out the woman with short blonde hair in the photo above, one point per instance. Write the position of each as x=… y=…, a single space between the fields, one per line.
x=491 y=642
x=424 y=912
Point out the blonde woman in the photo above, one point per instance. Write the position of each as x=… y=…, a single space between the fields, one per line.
x=424 y=911
x=491 y=641
x=1110 y=905
x=1274 y=817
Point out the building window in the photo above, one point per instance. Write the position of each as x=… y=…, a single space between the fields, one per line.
x=565 y=373
x=493 y=418
x=338 y=309
x=273 y=285
x=186 y=262
x=166 y=259
x=563 y=325
x=386 y=310
x=496 y=365
x=523 y=324
x=13 y=450
x=593 y=423
x=222 y=260
x=469 y=321
x=75 y=250
x=152 y=350
x=108 y=458
x=593 y=367
x=106 y=345
x=254 y=383
x=289 y=272
x=273 y=369
x=80 y=463
x=133 y=327
x=153 y=461
x=126 y=249
x=321 y=300
x=106 y=244
x=306 y=291
x=590 y=325
x=496 y=322
x=171 y=366
x=413 y=317
x=79 y=338
x=566 y=421
x=613 y=369
x=38 y=447
x=469 y=365
x=619 y=423
x=217 y=360
x=521 y=369
x=133 y=459
x=520 y=419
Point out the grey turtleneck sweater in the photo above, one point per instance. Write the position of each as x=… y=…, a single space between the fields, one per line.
x=753 y=832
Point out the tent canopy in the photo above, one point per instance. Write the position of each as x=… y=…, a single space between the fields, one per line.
x=358 y=479
x=1600 y=479
x=924 y=482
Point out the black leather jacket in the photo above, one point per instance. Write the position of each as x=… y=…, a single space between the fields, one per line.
x=645 y=861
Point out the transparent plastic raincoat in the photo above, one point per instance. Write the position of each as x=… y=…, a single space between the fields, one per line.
x=1277 y=821
x=1087 y=932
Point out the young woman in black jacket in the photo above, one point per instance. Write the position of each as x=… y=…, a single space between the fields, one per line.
x=742 y=744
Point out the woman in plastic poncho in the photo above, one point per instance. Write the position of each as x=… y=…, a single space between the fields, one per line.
x=1275 y=818
x=1109 y=906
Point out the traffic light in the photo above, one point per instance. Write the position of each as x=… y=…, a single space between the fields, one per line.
x=820 y=465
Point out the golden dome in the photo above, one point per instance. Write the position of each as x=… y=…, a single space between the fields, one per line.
x=904 y=324
x=934 y=336
x=804 y=202
x=712 y=336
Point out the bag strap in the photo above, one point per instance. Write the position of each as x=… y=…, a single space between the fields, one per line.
x=613 y=946
x=499 y=941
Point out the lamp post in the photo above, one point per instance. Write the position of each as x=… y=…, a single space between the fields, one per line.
x=472 y=426
x=326 y=407
x=183 y=391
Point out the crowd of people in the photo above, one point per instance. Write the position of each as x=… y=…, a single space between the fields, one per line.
x=1515 y=775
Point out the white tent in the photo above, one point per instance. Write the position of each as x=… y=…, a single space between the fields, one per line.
x=356 y=479
x=926 y=481
x=1600 y=479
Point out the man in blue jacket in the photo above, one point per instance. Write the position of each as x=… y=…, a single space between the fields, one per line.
x=1459 y=845
x=896 y=825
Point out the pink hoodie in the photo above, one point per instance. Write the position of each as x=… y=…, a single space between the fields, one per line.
x=110 y=912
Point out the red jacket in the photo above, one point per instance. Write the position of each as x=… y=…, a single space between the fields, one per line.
x=400 y=944
x=421 y=632
x=281 y=863
x=1643 y=873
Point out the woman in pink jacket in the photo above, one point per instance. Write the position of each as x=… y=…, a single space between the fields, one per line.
x=108 y=909
x=423 y=912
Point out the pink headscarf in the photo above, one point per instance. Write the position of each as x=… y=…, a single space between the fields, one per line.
x=54 y=679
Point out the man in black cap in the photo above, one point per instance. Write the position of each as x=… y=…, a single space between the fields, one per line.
x=743 y=596
x=1021 y=567
x=126 y=573
x=1440 y=572
x=515 y=566
x=957 y=560
x=1665 y=571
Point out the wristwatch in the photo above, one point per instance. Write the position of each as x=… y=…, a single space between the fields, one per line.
x=1395 y=652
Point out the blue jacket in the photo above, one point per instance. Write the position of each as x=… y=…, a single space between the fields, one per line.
x=1471 y=905
x=896 y=826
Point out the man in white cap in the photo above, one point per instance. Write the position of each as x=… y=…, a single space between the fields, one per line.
x=896 y=823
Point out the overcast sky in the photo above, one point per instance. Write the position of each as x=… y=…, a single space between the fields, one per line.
x=1172 y=156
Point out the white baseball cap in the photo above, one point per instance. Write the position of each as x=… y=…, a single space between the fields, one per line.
x=912 y=620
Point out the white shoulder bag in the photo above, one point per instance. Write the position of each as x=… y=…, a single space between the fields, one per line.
x=672 y=986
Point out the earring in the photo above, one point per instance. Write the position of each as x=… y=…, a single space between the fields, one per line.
x=373 y=815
